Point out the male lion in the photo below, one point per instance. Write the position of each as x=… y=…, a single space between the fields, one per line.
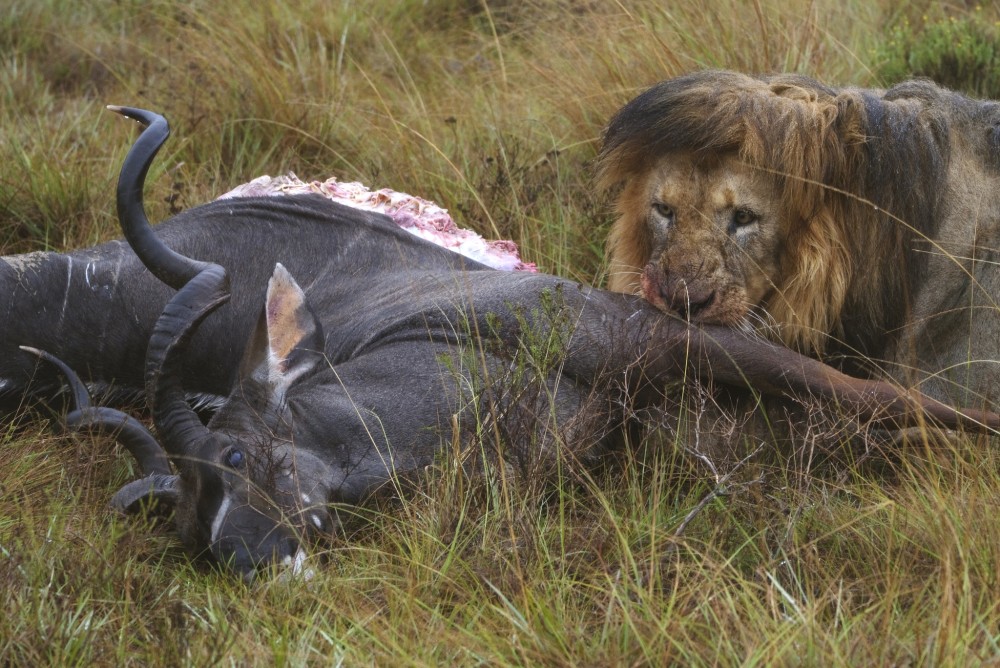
x=857 y=224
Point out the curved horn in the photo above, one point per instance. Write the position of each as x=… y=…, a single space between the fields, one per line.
x=179 y=426
x=128 y=431
x=202 y=287
x=170 y=267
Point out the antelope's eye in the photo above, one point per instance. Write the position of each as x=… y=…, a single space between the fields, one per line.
x=664 y=211
x=744 y=217
x=234 y=458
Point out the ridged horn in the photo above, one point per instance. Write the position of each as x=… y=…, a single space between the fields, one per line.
x=178 y=425
x=170 y=267
x=84 y=417
x=202 y=287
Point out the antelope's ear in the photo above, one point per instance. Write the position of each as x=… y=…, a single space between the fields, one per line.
x=288 y=341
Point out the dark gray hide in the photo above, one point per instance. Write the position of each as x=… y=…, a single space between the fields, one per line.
x=95 y=308
x=406 y=336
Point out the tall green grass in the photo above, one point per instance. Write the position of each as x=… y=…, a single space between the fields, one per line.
x=493 y=109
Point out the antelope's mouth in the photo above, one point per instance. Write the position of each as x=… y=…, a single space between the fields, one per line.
x=295 y=567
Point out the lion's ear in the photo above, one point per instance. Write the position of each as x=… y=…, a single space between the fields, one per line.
x=815 y=276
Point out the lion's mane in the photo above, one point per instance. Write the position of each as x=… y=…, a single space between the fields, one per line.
x=864 y=171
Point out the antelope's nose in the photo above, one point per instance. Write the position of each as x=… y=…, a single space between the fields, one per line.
x=246 y=561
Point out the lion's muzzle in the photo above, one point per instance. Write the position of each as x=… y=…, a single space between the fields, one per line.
x=674 y=294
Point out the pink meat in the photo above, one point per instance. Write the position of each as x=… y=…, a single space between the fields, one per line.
x=415 y=215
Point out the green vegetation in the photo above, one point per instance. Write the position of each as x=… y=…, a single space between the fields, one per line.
x=493 y=109
x=961 y=52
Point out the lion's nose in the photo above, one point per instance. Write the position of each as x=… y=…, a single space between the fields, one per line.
x=674 y=294
x=687 y=300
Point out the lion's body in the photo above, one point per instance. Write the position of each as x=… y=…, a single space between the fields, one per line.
x=848 y=223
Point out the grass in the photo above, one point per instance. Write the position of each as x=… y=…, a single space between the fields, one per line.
x=494 y=110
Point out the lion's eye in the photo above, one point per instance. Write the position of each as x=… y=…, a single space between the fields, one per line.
x=743 y=217
x=664 y=211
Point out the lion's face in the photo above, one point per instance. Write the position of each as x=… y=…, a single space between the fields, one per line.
x=699 y=237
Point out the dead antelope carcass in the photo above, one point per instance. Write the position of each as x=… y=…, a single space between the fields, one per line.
x=354 y=371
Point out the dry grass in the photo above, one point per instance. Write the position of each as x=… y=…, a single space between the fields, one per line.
x=494 y=110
